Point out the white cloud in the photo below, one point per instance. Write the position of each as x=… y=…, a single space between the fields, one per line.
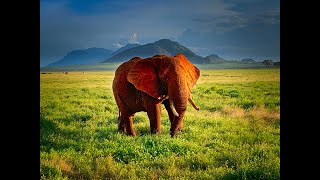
x=133 y=38
x=117 y=45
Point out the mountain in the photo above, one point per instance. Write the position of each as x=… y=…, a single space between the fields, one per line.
x=213 y=58
x=163 y=46
x=87 y=56
x=128 y=46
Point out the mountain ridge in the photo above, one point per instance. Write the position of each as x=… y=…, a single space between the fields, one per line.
x=162 y=46
x=213 y=58
x=83 y=56
x=127 y=46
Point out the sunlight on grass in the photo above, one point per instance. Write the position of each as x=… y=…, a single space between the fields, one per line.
x=235 y=135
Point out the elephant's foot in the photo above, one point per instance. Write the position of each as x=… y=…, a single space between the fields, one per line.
x=132 y=133
x=155 y=131
x=125 y=125
x=129 y=127
x=122 y=130
x=121 y=127
x=174 y=131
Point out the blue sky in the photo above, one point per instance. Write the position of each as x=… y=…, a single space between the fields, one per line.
x=232 y=29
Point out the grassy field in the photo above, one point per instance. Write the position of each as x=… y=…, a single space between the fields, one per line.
x=235 y=135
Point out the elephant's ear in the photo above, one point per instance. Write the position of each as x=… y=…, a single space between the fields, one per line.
x=192 y=72
x=144 y=77
x=192 y=76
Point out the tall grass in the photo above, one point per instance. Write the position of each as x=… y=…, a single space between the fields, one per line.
x=235 y=135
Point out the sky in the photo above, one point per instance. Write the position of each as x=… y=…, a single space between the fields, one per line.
x=232 y=29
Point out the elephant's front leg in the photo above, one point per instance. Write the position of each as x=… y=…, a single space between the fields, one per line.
x=154 y=114
x=153 y=108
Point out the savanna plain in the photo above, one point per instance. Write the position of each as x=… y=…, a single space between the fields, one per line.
x=234 y=135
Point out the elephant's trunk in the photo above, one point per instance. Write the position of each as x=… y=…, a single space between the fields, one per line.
x=178 y=92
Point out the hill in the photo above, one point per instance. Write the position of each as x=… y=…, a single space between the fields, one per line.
x=128 y=46
x=163 y=46
x=213 y=58
x=87 y=56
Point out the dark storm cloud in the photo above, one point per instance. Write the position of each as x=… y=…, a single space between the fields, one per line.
x=258 y=41
x=269 y=18
x=251 y=29
x=207 y=26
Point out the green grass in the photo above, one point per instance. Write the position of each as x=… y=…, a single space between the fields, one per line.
x=235 y=135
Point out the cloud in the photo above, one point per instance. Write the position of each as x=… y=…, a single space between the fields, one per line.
x=133 y=38
x=259 y=41
x=123 y=41
x=67 y=25
x=259 y=11
x=117 y=45
x=269 y=17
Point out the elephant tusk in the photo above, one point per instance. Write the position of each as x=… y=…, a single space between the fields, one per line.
x=193 y=104
x=163 y=97
x=173 y=108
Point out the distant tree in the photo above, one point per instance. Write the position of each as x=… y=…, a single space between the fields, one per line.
x=267 y=62
x=248 y=61
x=276 y=63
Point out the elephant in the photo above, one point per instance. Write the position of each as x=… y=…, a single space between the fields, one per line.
x=144 y=84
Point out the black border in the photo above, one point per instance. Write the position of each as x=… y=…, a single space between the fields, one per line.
x=298 y=90
x=21 y=88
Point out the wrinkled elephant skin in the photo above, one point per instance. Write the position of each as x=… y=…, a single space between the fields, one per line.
x=144 y=84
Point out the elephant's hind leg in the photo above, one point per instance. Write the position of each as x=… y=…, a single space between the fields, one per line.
x=128 y=125
x=125 y=117
x=121 y=125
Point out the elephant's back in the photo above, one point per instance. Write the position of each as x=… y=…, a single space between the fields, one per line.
x=125 y=67
x=120 y=78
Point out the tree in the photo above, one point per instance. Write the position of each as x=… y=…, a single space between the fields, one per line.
x=276 y=63
x=267 y=62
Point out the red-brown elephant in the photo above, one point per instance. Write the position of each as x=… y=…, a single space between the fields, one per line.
x=145 y=84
